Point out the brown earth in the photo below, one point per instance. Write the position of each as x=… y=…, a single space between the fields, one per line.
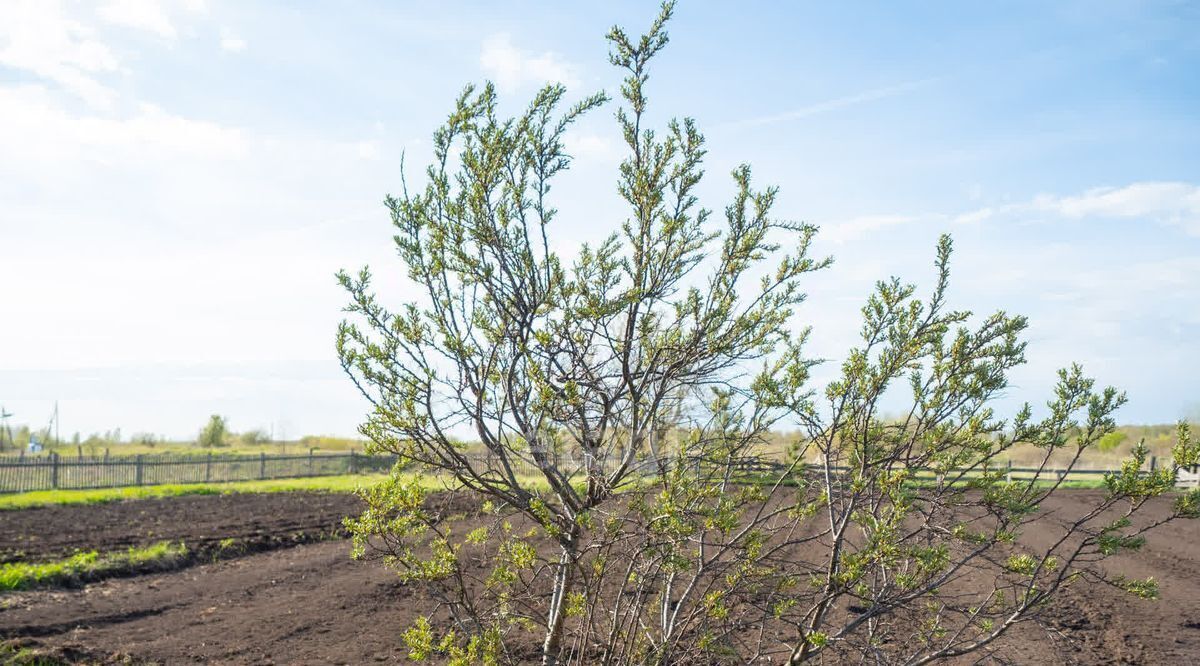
x=312 y=604
x=56 y=531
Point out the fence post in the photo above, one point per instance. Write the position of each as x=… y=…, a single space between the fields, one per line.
x=310 y=461
x=353 y=463
x=1153 y=463
x=54 y=470
x=139 y=469
x=262 y=465
x=1008 y=473
x=208 y=468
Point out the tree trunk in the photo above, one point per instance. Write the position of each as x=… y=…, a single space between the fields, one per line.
x=563 y=581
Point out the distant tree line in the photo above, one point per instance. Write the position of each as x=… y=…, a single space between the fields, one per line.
x=216 y=433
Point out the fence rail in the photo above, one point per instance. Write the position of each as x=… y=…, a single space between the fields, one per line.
x=55 y=472
x=1188 y=477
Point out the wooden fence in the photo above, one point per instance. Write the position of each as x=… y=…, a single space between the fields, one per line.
x=1188 y=477
x=52 y=471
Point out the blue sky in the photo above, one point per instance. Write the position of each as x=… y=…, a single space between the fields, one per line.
x=179 y=181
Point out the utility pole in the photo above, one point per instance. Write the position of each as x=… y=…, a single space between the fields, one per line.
x=4 y=429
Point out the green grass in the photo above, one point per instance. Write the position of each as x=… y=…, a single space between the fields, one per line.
x=14 y=654
x=88 y=565
x=334 y=484
x=346 y=483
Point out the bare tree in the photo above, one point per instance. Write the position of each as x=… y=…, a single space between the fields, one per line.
x=619 y=399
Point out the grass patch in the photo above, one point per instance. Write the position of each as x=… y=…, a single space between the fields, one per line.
x=14 y=654
x=346 y=483
x=89 y=565
x=335 y=484
x=31 y=652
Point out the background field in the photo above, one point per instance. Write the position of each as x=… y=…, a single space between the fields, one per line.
x=1158 y=438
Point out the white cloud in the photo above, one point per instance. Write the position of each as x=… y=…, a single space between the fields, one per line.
x=163 y=222
x=1170 y=203
x=594 y=146
x=62 y=42
x=36 y=130
x=148 y=15
x=975 y=216
x=368 y=150
x=231 y=42
x=855 y=228
x=38 y=37
x=511 y=68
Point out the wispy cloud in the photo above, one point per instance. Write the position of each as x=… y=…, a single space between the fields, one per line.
x=834 y=104
x=512 y=68
x=1171 y=203
x=592 y=146
x=842 y=231
x=231 y=42
x=38 y=132
x=41 y=39
x=149 y=15
x=67 y=45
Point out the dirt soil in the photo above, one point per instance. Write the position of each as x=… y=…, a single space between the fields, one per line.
x=57 y=531
x=312 y=604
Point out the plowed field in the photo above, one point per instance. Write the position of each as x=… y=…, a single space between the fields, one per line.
x=311 y=604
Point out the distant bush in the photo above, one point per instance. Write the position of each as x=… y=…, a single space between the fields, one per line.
x=1111 y=441
x=146 y=439
x=256 y=437
x=215 y=432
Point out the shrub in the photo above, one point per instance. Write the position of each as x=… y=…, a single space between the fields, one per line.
x=214 y=433
x=256 y=437
x=637 y=380
x=1111 y=441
